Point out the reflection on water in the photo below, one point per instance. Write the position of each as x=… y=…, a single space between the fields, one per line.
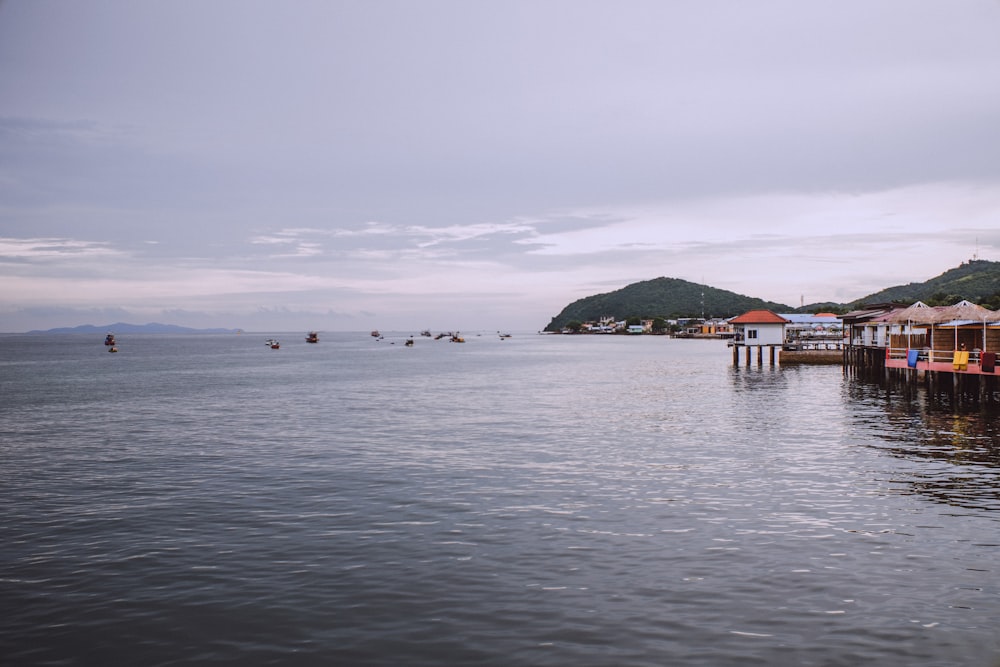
x=954 y=451
x=759 y=378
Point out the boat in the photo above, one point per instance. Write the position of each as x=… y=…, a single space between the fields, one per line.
x=313 y=337
x=273 y=344
x=112 y=349
x=426 y=332
x=109 y=339
x=409 y=342
x=503 y=335
x=376 y=334
x=455 y=338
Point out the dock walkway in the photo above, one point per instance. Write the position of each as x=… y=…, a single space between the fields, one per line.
x=935 y=370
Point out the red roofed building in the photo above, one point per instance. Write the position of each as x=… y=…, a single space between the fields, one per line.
x=759 y=327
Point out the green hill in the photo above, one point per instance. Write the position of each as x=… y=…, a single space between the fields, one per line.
x=976 y=280
x=668 y=298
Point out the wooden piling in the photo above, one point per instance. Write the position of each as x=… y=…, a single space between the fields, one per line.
x=958 y=387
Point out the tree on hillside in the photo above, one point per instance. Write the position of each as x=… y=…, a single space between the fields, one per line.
x=942 y=299
x=991 y=302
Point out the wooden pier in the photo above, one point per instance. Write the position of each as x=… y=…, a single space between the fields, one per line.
x=970 y=379
x=943 y=350
x=940 y=350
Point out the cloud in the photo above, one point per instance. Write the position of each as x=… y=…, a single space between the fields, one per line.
x=779 y=247
x=354 y=161
x=51 y=249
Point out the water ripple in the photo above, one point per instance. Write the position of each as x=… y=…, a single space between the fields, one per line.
x=547 y=501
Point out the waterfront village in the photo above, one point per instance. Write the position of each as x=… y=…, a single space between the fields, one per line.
x=810 y=338
x=955 y=346
x=798 y=329
x=933 y=332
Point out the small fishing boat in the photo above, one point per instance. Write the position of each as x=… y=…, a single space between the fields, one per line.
x=273 y=344
x=109 y=339
x=426 y=332
x=313 y=337
x=376 y=334
x=409 y=342
x=503 y=335
x=112 y=349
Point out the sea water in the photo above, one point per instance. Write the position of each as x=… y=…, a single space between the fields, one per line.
x=536 y=500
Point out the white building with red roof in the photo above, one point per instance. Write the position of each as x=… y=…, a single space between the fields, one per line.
x=759 y=328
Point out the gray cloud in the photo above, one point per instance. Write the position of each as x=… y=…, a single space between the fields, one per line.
x=384 y=154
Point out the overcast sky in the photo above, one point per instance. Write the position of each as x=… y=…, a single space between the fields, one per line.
x=335 y=165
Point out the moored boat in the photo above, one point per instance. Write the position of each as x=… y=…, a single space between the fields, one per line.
x=273 y=344
x=109 y=339
x=313 y=337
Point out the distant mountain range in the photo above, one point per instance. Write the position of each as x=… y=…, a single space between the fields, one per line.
x=124 y=328
x=671 y=298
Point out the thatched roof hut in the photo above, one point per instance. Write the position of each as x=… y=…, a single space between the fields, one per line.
x=965 y=315
x=918 y=313
x=965 y=311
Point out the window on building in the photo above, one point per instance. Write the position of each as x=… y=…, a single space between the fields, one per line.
x=751 y=334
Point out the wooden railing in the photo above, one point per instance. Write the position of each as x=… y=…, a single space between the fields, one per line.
x=933 y=356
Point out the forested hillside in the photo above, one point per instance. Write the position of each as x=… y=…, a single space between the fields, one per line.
x=976 y=280
x=668 y=298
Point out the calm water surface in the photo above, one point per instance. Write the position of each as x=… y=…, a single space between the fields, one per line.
x=540 y=500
